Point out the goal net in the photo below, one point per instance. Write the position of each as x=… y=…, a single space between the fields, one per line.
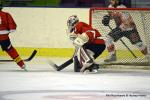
x=141 y=18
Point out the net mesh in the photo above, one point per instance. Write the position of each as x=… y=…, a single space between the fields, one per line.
x=141 y=18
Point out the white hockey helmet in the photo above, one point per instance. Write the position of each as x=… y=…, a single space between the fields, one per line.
x=72 y=20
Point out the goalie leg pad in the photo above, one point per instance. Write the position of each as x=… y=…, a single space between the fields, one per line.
x=84 y=58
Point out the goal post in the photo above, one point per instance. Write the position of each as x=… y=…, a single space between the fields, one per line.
x=141 y=17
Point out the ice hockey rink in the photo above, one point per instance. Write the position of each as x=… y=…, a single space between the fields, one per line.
x=42 y=82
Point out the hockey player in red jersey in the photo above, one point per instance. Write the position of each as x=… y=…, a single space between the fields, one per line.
x=125 y=27
x=7 y=25
x=87 y=42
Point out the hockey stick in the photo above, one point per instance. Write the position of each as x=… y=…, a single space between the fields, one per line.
x=65 y=64
x=31 y=56
x=125 y=44
x=28 y=59
x=62 y=66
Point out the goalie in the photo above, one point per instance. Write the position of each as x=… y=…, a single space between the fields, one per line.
x=7 y=25
x=125 y=27
x=87 y=44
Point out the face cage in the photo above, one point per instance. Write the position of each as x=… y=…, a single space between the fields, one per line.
x=71 y=25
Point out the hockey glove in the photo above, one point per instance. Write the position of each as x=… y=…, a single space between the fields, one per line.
x=106 y=20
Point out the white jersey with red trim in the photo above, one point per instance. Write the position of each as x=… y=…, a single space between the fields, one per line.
x=122 y=19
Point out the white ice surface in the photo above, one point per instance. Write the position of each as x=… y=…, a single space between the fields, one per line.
x=42 y=82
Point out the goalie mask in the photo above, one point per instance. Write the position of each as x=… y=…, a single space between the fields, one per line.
x=72 y=20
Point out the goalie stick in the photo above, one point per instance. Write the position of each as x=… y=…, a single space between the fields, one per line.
x=125 y=45
x=62 y=66
x=65 y=64
x=28 y=59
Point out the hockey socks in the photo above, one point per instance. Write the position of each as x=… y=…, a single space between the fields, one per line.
x=15 y=56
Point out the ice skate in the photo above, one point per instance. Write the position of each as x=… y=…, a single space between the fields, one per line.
x=24 y=68
x=92 y=69
x=95 y=68
x=111 y=58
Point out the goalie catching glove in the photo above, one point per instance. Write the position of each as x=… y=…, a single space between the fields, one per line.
x=106 y=20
